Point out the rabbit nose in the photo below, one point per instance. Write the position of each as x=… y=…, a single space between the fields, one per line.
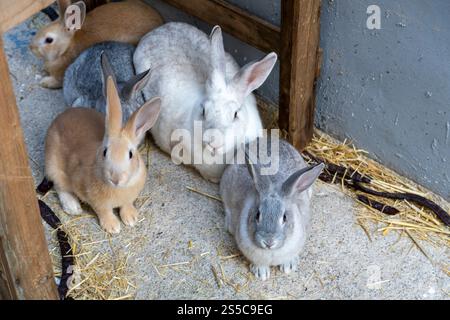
x=116 y=178
x=213 y=138
x=269 y=243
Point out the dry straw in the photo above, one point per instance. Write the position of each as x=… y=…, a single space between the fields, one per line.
x=414 y=221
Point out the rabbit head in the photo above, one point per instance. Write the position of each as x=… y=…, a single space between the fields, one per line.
x=127 y=91
x=222 y=113
x=53 y=40
x=118 y=154
x=276 y=209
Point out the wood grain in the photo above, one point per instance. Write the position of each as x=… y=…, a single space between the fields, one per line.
x=13 y=12
x=300 y=30
x=25 y=265
x=233 y=20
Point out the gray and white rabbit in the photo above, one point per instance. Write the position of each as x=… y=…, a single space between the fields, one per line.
x=268 y=215
x=84 y=83
x=199 y=83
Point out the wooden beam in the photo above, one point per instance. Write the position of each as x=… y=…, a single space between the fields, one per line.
x=92 y=4
x=233 y=20
x=26 y=270
x=300 y=31
x=13 y=12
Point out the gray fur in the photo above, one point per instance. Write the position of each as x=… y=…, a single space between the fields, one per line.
x=269 y=241
x=83 y=80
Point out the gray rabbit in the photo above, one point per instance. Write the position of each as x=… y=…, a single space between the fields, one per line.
x=84 y=78
x=268 y=215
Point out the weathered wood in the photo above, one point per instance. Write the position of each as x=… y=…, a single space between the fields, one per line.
x=233 y=20
x=26 y=268
x=300 y=28
x=92 y=4
x=13 y=12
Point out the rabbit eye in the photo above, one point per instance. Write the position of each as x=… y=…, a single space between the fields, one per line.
x=235 y=115
x=258 y=216
x=203 y=111
x=48 y=40
x=284 y=218
x=104 y=152
x=130 y=154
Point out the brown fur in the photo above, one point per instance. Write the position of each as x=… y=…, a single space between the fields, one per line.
x=75 y=162
x=125 y=21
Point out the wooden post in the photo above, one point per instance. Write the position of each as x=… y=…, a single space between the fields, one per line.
x=300 y=31
x=26 y=270
x=233 y=20
x=92 y=4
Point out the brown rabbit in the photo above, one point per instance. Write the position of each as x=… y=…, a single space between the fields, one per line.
x=96 y=160
x=124 y=21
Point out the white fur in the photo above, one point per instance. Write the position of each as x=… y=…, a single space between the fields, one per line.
x=179 y=56
x=70 y=203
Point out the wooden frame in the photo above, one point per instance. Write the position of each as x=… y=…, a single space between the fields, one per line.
x=26 y=271
x=25 y=267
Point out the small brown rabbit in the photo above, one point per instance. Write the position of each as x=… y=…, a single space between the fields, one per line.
x=125 y=21
x=96 y=160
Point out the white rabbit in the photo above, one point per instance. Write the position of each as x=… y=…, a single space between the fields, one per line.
x=198 y=81
x=268 y=215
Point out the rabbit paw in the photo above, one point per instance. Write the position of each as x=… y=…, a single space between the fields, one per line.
x=110 y=223
x=129 y=215
x=50 y=83
x=289 y=266
x=228 y=221
x=213 y=179
x=205 y=175
x=261 y=272
x=69 y=203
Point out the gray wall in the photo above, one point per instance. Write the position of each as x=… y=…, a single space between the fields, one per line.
x=387 y=90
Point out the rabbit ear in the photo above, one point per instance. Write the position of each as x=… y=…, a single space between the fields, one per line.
x=301 y=180
x=113 y=109
x=217 y=51
x=253 y=75
x=74 y=15
x=261 y=182
x=143 y=119
x=107 y=71
x=135 y=84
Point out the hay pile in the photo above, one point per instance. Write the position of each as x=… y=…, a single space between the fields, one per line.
x=100 y=273
x=414 y=221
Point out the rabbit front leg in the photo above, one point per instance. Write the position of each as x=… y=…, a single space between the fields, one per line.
x=50 y=82
x=55 y=77
x=129 y=215
x=108 y=220
x=289 y=266
x=211 y=172
x=69 y=202
x=261 y=272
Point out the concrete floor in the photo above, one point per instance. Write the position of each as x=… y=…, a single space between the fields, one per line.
x=187 y=229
